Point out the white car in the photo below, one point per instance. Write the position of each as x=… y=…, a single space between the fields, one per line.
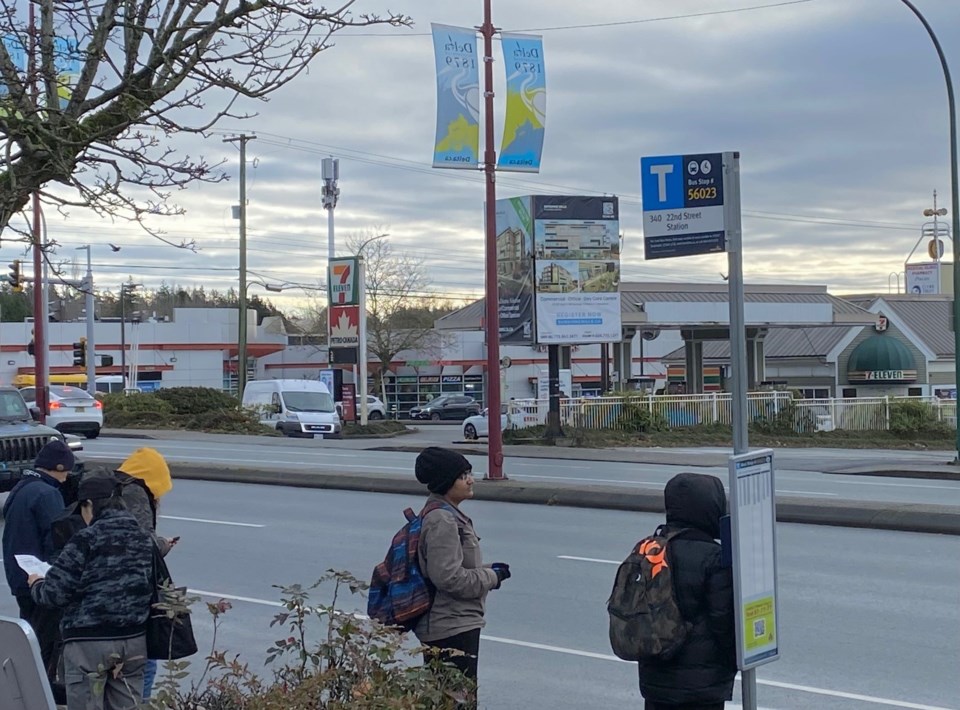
x=72 y=410
x=376 y=409
x=476 y=426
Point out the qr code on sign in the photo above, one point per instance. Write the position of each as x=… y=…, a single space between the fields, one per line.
x=759 y=628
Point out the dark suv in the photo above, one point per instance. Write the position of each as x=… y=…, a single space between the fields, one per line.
x=448 y=406
x=21 y=438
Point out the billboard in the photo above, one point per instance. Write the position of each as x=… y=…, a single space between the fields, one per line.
x=576 y=269
x=923 y=277
x=343 y=286
x=344 y=326
x=515 y=270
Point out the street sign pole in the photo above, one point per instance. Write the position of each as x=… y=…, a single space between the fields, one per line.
x=738 y=357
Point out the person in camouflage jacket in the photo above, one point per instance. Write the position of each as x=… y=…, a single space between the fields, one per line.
x=103 y=580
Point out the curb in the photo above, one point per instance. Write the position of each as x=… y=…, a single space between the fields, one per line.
x=939 y=519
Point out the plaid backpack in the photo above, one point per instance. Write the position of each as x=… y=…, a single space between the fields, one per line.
x=399 y=592
x=645 y=620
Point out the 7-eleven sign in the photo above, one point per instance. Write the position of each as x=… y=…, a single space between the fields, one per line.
x=342 y=284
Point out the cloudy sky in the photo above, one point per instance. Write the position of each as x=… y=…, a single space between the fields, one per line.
x=838 y=108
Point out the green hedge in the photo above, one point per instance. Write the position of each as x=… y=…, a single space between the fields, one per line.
x=193 y=408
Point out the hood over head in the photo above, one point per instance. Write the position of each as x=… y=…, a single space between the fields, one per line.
x=149 y=466
x=695 y=500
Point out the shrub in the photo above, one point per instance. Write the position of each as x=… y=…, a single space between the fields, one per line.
x=354 y=663
x=914 y=418
x=186 y=401
x=226 y=421
x=634 y=416
x=134 y=410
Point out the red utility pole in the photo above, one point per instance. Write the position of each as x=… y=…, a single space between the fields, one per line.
x=39 y=293
x=492 y=320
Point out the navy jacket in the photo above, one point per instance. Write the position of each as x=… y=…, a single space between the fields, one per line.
x=32 y=506
x=102 y=579
x=703 y=670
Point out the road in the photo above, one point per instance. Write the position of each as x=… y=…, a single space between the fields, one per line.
x=869 y=618
x=271 y=453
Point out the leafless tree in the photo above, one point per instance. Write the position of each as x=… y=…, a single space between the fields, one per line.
x=400 y=304
x=93 y=94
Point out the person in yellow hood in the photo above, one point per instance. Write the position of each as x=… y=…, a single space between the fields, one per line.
x=145 y=479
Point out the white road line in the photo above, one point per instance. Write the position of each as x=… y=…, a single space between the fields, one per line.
x=808 y=493
x=607 y=657
x=296 y=464
x=588 y=559
x=647 y=484
x=233 y=597
x=213 y=522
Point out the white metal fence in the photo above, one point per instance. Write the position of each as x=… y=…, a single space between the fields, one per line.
x=676 y=411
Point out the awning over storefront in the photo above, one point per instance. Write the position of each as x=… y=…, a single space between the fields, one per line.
x=881 y=359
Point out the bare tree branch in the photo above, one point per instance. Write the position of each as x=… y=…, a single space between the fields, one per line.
x=148 y=70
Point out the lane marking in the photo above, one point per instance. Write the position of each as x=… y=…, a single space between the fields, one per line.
x=213 y=522
x=588 y=559
x=299 y=464
x=607 y=657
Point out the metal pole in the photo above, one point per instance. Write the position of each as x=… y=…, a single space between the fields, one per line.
x=553 y=430
x=362 y=384
x=91 y=330
x=242 y=139
x=492 y=320
x=44 y=284
x=738 y=345
x=39 y=309
x=955 y=198
x=123 y=335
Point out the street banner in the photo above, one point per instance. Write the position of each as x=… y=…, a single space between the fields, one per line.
x=343 y=285
x=344 y=326
x=577 y=269
x=526 y=103
x=66 y=61
x=458 y=97
x=515 y=270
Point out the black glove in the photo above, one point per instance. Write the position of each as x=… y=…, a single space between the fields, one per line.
x=503 y=572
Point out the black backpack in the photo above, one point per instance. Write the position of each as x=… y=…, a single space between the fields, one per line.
x=645 y=620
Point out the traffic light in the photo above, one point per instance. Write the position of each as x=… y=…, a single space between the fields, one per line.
x=80 y=353
x=15 y=277
x=106 y=360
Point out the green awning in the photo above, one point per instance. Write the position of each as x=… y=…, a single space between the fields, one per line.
x=881 y=359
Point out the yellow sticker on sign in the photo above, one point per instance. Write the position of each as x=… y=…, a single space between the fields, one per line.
x=760 y=625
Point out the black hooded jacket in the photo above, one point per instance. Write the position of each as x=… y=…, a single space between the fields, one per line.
x=704 y=669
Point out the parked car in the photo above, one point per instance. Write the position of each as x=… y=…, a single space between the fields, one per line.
x=479 y=425
x=448 y=406
x=21 y=438
x=376 y=409
x=302 y=408
x=72 y=410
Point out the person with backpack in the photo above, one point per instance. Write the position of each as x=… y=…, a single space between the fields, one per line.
x=144 y=479
x=449 y=556
x=699 y=674
x=30 y=511
x=103 y=580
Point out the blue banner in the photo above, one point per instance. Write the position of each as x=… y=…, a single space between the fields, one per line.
x=458 y=97
x=526 y=103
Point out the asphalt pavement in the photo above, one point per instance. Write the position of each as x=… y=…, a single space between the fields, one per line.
x=869 y=617
x=614 y=479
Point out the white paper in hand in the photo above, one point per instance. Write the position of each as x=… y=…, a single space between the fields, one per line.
x=32 y=565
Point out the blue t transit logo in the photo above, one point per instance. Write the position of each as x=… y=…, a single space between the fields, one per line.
x=662 y=181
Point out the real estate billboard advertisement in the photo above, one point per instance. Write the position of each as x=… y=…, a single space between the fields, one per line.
x=515 y=270
x=576 y=269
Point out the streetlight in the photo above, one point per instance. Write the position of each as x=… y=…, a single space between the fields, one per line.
x=91 y=306
x=124 y=290
x=955 y=198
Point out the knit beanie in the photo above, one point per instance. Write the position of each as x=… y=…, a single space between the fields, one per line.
x=150 y=467
x=97 y=486
x=439 y=468
x=55 y=456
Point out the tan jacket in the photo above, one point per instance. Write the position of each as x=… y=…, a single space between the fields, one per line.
x=450 y=558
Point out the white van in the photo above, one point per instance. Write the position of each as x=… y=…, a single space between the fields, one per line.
x=294 y=407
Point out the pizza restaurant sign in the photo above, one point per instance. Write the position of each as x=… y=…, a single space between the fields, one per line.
x=883 y=376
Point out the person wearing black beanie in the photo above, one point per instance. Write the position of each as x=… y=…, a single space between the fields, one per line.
x=449 y=555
